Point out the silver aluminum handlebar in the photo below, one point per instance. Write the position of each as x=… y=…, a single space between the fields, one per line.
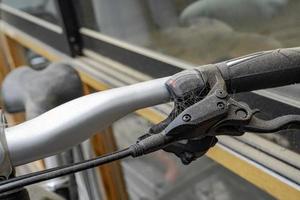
x=73 y=122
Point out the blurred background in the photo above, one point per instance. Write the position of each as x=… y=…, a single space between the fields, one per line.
x=112 y=43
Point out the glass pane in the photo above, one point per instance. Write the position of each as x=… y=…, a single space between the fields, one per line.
x=201 y=32
x=44 y=9
x=161 y=175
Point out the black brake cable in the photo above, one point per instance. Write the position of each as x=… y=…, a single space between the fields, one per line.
x=36 y=177
x=148 y=145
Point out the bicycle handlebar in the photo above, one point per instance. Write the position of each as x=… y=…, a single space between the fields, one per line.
x=73 y=122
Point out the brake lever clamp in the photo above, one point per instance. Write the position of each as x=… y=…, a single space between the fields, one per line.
x=199 y=98
x=196 y=127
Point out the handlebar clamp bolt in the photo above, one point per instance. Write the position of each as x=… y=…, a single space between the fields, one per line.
x=186 y=117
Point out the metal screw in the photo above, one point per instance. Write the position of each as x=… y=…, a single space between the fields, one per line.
x=186 y=117
x=241 y=113
x=221 y=93
x=221 y=105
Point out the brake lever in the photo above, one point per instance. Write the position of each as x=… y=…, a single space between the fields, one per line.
x=240 y=120
x=258 y=125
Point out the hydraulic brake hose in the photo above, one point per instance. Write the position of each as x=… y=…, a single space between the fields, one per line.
x=146 y=146
x=36 y=177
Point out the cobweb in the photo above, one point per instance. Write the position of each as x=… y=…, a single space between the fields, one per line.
x=180 y=104
x=189 y=99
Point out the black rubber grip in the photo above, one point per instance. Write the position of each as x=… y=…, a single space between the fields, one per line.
x=262 y=70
